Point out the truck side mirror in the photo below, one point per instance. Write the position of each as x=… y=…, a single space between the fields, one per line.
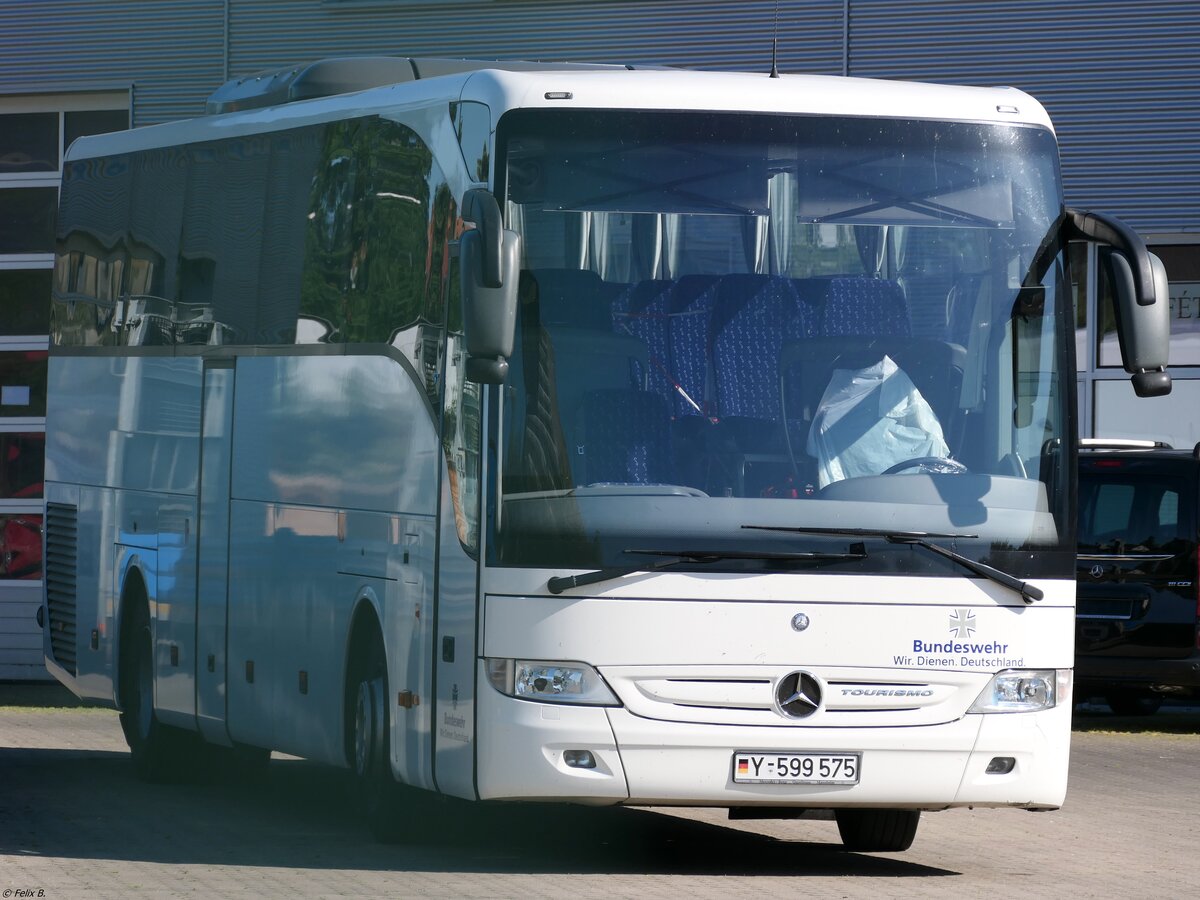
x=489 y=259
x=1141 y=295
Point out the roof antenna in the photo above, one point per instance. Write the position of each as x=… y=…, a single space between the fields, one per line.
x=775 y=45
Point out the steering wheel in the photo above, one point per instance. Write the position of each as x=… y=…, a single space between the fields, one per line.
x=930 y=465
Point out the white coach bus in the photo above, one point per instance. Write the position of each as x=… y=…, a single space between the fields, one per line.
x=582 y=433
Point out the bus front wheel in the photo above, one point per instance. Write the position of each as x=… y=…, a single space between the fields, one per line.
x=157 y=750
x=877 y=830
x=377 y=789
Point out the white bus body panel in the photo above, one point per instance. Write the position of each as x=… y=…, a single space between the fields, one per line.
x=312 y=536
x=308 y=535
x=134 y=425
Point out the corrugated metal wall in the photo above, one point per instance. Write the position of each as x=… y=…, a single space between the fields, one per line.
x=1120 y=79
x=172 y=51
x=701 y=33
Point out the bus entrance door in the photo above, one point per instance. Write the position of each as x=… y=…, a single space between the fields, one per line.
x=212 y=564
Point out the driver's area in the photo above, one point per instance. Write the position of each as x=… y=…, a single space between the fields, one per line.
x=740 y=385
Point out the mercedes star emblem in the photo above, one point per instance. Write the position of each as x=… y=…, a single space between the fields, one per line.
x=798 y=695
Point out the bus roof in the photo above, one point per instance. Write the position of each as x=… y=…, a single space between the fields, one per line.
x=506 y=85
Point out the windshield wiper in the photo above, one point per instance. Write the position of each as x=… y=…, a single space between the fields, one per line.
x=1028 y=592
x=676 y=557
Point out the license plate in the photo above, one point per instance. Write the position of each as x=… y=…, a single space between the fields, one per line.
x=761 y=767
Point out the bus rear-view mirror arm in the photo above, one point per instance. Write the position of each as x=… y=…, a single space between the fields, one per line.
x=489 y=260
x=1141 y=294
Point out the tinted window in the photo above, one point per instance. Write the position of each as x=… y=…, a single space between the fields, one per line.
x=29 y=142
x=27 y=220
x=294 y=158
x=327 y=234
x=222 y=240
x=93 y=248
x=1130 y=512
x=24 y=301
x=369 y=271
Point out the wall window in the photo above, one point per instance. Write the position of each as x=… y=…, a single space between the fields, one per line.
x=1121 y=414
x=21 y=463
x=1107 y=406
x=35 y=132
x=1182 y=262
x=20 y=313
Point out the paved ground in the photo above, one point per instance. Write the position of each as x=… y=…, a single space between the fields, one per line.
x=75 y=823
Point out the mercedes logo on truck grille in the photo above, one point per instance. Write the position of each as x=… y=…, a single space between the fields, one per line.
x=798 y=695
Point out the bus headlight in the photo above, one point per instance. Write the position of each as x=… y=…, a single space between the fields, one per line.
x=549 y=682
x=1023 y=690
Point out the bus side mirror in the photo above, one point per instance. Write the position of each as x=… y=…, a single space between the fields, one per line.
x=1141 y=295
x=489 y=260
x=1143 y=330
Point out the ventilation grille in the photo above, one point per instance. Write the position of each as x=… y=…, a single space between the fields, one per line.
x=61 y=552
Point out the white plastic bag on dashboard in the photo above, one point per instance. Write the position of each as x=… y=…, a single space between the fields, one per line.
x=869 y=420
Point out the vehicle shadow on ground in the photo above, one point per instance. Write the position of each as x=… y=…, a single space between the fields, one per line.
x=82 y=804
x=1168 y=720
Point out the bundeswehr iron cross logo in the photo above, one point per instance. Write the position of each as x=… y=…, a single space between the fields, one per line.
x=962 y=623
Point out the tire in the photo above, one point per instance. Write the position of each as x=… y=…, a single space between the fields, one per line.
x=1133 y=703
x=877 y=830
x=160 y=753
x=370 y=748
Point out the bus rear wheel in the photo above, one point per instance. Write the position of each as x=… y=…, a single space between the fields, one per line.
x=877 y=830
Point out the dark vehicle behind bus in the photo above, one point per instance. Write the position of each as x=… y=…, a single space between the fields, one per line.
x=1137 y=640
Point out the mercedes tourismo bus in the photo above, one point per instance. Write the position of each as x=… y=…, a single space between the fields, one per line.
x=581 y=433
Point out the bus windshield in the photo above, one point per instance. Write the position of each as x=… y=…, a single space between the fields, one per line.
x=789 y=322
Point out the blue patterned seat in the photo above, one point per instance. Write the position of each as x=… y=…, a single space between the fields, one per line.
x=692 y=302
x=624 y=438
x=866 y=306
x=640 y=311
x=754 y=316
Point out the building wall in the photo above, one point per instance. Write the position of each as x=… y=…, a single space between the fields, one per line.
x=170 y=52
x=716 y=34
x=1120 y=80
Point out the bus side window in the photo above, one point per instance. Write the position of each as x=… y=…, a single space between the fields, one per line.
x=219 y=254
x=370 y=252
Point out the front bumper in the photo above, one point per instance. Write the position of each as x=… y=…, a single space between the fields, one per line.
x=641 y=761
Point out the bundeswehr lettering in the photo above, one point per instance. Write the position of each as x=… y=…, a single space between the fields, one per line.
x=920 y=646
